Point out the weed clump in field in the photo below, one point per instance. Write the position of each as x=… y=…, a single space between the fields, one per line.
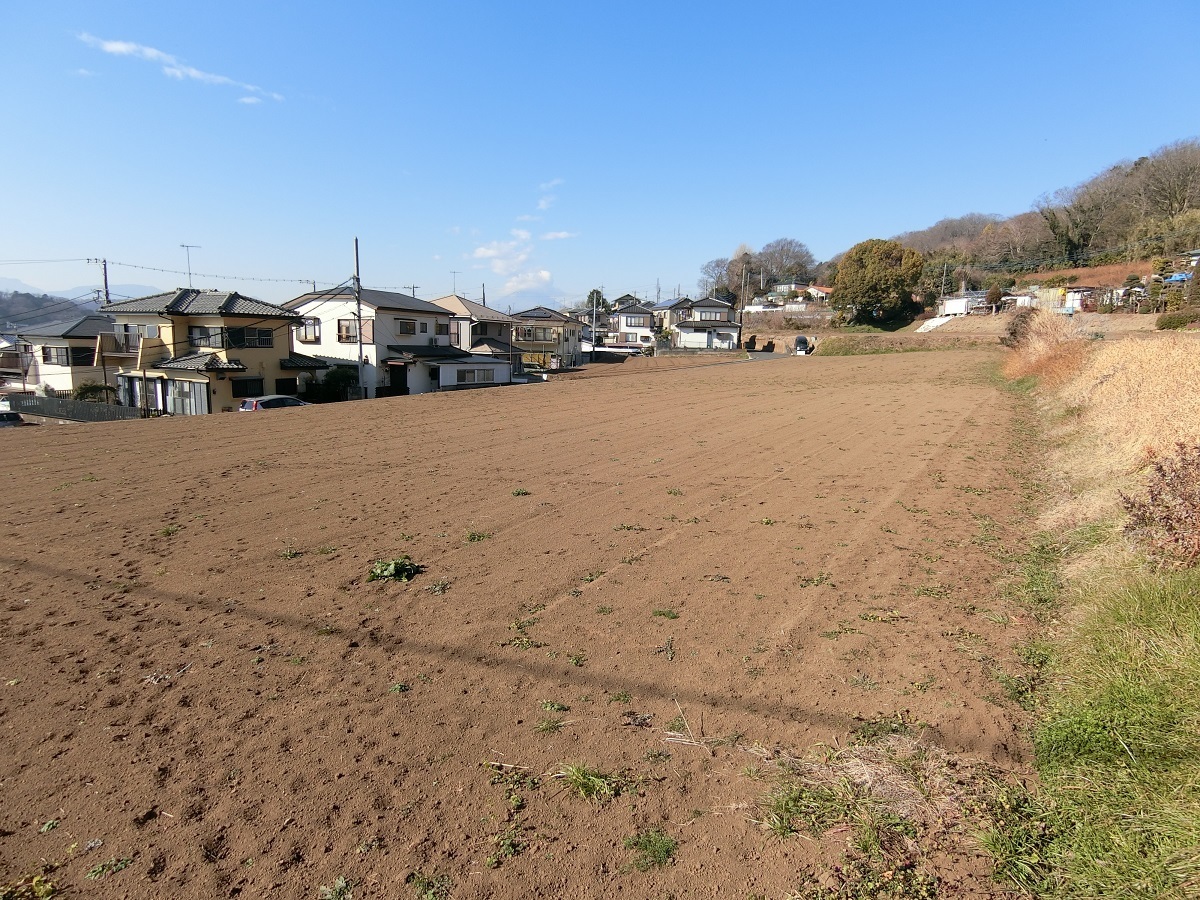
x=402 y=568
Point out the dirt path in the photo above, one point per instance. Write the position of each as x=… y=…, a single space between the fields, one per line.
x=195 y=671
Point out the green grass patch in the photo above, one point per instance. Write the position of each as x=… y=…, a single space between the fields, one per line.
x=654 y=849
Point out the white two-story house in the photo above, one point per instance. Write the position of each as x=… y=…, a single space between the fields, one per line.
x=404 y=342
x=631 y=327
x=707 y=324
x=63 y=355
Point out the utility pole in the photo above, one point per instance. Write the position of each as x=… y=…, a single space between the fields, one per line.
x=412 y=290
x=104 y=271
x=362 y=388
x=189 y=248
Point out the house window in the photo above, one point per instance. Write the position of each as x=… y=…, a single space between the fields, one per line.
x=711 y=316
x=287 y=386
x=55 y=356
x=309 y=331
x=628 y=337
x=246 y=387
x=406 y=326
x=347 y=331
x=476 y=376
x=441 y=328
x=83 y=356
x=204 y=336
x=637 y=321
x=241 y=338
x=453 y=332
x=424 y=328
x=544 y=335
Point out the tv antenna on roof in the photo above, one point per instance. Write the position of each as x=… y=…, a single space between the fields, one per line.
x=189 y=248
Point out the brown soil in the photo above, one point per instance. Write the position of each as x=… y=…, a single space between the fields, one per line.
x=196 y=674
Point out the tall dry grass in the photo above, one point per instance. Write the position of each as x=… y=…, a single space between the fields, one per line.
x=1119 y=404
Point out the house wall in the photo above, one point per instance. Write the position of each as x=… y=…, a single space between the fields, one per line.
x=64 y=379
x=698 y=340
x=448 y=374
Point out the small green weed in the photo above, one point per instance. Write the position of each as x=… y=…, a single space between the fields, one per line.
x=474 y=537
x=553 y=706
x=520 y=492
x=577 y=659
x=399 y=688
x=814 y=580
x=604 y=610
x=549 y=725
x=675 y=492
x=621 y=697
x=341 y=889
x=868 y=731
x=429 y=887
x=31 y=887
x=655 y=849
x=591 y=784
x=111 y=867
x=628 y=528
x=439 y=587
x=170 y=530
x=767 y=521
x=508 y=844
x=665 y=613
x=592 y=576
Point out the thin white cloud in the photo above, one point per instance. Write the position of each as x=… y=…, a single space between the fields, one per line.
x=84 y=73
x=550 y=185
x=521 y=234
x=529 y=218
x=250 y=101
x=546 y=202
x=505 y=258
x=558 y=235
x=172 y=67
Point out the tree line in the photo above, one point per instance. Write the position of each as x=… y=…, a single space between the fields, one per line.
x=1145 y=209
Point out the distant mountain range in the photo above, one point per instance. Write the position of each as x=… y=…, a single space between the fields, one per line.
x=23 y=305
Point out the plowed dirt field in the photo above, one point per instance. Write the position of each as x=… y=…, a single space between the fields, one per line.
x=197 y=676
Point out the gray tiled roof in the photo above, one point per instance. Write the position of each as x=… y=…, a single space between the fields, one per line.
x=424 y=352
x=190 y=302
x=201 y=362
x=300 y=361
x=541 y=313
x=85 y=327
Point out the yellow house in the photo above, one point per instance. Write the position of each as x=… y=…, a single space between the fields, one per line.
x=189 y=352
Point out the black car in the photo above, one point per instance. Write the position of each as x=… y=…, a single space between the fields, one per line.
x=804 y=347
x=11 y=420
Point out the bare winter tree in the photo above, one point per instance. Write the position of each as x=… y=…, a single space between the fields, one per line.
x=785 y=258
x=714 y=276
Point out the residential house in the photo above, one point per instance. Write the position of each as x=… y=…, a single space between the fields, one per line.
x=480 y=330
x=63 y=355
x=631 y=327
x=548 y=338
x=189 y=352
x=404 y=342
x=669 y=313
x=818 y=293
x=707 y=324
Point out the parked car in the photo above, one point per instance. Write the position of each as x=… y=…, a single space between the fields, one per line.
x=270 y=401
x=11 y=420
x=804 y=346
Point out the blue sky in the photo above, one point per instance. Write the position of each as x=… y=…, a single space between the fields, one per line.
x=546 y=148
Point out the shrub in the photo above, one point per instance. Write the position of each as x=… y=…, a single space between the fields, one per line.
x=1168 y=517
x=1180 y=318
x=1018 y=327
x=402 y=568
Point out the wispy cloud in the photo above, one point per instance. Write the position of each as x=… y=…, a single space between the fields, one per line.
x=250 y=101
x=505 y=258
x=84 y=73
x=550 y=185
x=172 y=67
x=546 y=202
x=557 y=235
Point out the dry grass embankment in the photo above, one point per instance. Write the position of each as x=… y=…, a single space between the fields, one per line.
x=1117 y=813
